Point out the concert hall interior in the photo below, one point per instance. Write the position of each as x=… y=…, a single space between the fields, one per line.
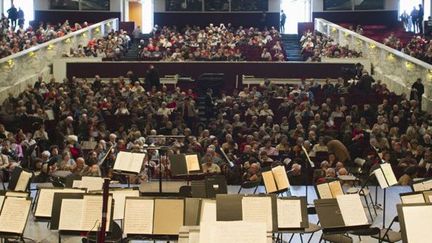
x=209 y=121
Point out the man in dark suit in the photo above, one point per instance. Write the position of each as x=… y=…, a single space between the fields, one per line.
x=152 y=77
x=417 y=91
x=420 y=16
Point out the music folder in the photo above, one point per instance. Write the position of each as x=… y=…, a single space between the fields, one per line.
x=275 y=179
x=129 y=162
x=422 y=185
x=343 y=213
x=209 y=187
x=326 y=190
x=416 y=197
x=229 y=207
x=184 y=164
x=415 y=222
x=292 y=213
x=192 y=211
x=20 y=180
x=14 y=215
x=385 y=175
x=153 y=216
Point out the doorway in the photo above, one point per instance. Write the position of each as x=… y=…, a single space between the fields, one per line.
x=26 y=6
x=296 y=11
x=142 y=13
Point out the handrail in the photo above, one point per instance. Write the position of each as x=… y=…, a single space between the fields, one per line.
x=376 y=43
x=54 y=41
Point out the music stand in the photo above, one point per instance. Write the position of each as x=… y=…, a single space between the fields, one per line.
x=24 y=211
x=415 y=222
x=386 y=178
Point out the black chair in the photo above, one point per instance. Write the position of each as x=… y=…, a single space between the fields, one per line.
x=116 y=235
x=249 y=185
x=366 y=232
x=389 y=235
x=185 y=191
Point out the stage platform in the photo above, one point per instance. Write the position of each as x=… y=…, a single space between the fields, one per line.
x=39 y=232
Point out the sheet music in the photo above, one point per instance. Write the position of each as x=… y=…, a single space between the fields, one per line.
x=13 y=217
x=88 y=145
x=336 y=188
x=208 y=211
x=138 y=216
x=418 y=221
x=233 y=232
x=269 y=181
x=413 y=198
x=389 y=174
x=192 y=162
x=45 y=200
x=168 y=216
x=258 y=209
x=92 y=212
x=281 y=177
x=92 y=183
x=129 y=162
x=71 y=214
x=119 y=197
x=76 y=184
x=429 y=197
x=427 y=184
x=23 y=181
x=289 y=213
x=419 y=186
x=194 y=234
x=352 y=210
x=381 y=179
x=324 y=191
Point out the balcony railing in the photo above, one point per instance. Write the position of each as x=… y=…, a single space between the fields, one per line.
x=28 y=63
x=394 y=68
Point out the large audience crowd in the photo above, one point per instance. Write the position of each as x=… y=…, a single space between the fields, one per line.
x=315 y=46
x=15 y=40
x=338 y=124
x=113 y=46
x=213 y=43
x=418 y=47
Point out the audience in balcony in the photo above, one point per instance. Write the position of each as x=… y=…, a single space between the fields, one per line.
x=316 y=46
x=13 y=41
x=336 y=123
x=212 y=43
x=113 y=47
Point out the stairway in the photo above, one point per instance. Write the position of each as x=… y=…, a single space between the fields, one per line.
x=292 y=47
x=132 y=54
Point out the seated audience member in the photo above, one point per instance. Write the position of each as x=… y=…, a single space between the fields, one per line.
x=253 y=173
x=208 y=167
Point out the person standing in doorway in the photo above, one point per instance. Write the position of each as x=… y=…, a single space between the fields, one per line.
x=13 y=15
x=414 y=18
x=420 y=16
x=282 y=22
x=20 y=18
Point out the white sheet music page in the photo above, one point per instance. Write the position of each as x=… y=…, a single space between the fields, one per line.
x=138 y=216
x=70 y=214
x=23 y=181
x=289 y=213
x=76 y=184
x=427 y=185
x=352 y=210
x=45 y=200
x=122 y=161
x=92 y=212
x=192 y=162
x=208 y=210
x=92 y=183
x=414 y=198
x=419 y=186
x=389 y=174
x=324 y=191
x=119 y=201
x=233 y=232
x=137 y=162
x=269 y=181
x=381 y=179
x=281 y=177
x=418 y=221
x=258 y=209
x=13 y=217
